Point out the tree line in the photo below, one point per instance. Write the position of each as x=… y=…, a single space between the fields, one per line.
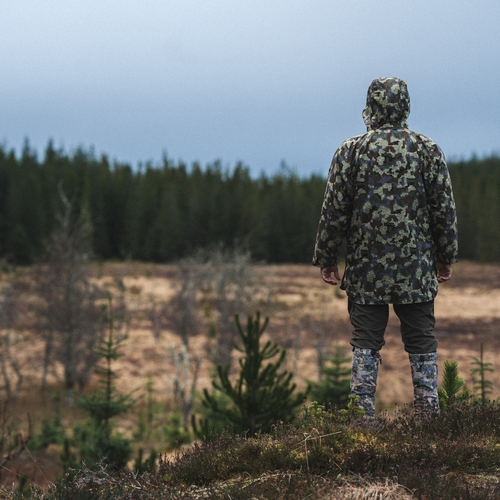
x=476 y=186
x=162 y=213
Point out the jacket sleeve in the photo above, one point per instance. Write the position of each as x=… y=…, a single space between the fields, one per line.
x=336 y=209
x=441 y=204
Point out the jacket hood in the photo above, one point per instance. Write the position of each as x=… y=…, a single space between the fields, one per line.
x=387 y=103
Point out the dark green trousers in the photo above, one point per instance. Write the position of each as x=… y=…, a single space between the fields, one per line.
x=417 y=326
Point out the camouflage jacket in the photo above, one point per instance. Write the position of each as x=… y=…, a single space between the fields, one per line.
x=389 y=195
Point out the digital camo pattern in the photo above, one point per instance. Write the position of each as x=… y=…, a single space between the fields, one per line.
x=389 y=194
x=364 y=377
x=387 y=103
x=424 y=372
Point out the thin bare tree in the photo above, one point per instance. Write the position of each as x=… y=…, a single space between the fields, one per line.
x=71 y=316
x=187 y=369
x=9 y=367
x=231 y=284
x=180 y=314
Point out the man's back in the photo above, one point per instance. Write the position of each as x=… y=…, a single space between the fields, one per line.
x=390 y=195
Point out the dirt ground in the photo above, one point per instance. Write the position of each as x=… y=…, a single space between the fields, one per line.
x=307 y=317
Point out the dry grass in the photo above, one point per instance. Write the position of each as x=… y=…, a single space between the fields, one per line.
x=304 y=313
x=370 y=491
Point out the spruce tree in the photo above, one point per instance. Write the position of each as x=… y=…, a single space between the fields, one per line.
x=97 y=441
x=482 y=385
x=262 y=395
x=334 y=385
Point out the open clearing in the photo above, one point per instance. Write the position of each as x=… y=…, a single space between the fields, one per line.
x=306 y=317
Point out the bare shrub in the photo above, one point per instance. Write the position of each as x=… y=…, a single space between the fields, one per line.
x=230 y=284
x=182 y=307
x=322 y=333
x=122 y=314
x=157 y=313
x=290 y=338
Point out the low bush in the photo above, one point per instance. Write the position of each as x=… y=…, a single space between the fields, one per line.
x=465 y=439
x=452 y=455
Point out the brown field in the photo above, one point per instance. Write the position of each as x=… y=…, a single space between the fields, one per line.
x=305 y=312
x=306 y=316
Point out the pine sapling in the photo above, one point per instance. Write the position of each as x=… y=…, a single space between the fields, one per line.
x=483 y=385
x=334 y=385
x=148 y=417
x=105 y=404
x=453 y=389
x=354 y=409
x=263 y=394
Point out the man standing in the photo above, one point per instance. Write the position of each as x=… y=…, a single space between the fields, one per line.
x=389 y=194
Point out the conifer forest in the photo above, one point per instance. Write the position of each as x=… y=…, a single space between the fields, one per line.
x=165 y=212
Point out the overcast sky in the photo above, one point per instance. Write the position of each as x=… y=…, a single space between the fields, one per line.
x=257 y=81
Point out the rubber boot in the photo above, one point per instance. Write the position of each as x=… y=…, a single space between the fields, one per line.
x=424 y=373
x=364 y=378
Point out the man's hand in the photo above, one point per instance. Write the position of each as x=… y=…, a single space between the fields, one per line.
x=444 y=272
x=330 y=275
